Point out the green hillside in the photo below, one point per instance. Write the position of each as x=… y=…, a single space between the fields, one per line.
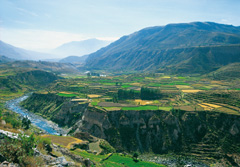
x=196 y=46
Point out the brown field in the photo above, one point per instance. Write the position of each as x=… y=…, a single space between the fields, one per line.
x=93 y=96
x=65 y=141
x=111 y=104
x=136 y=84
x=228 y=111
x=112 y=108
x=67 y=92
x=228 y=106
x=189 y=108
x=217 y=82
x=184 y=87
x=191 y=91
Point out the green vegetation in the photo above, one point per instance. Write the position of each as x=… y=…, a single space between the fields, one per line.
x=107 y=148
x=141 y=108
x=186 y=98
x=150 y=94
x=115 y=160
x=94 y=103
x=12 y=118
x=66 y=95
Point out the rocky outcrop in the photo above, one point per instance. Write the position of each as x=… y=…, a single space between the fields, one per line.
x=163 y=132
x=59 y=109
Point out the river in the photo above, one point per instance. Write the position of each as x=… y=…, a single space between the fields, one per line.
x=44 y=124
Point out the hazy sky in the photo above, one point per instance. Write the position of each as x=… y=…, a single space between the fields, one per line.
x=46 y=24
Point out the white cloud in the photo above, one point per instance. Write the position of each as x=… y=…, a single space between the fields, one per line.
x=24 y=11
x=108 y=38
x=37 y=39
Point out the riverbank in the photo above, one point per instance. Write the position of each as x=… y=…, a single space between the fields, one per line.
x=45 y=125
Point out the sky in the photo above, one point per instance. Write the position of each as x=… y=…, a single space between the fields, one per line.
x=42 y=25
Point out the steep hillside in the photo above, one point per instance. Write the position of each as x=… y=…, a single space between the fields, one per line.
x=43 y=65
x=231 y=71
x=171 y=45
x=21 y=80
x=209 y=136
x=21 y=54
x=4 y=59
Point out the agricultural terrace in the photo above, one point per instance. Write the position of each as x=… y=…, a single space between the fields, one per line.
x=152 y=92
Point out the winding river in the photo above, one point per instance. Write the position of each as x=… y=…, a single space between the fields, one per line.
x=46 y=125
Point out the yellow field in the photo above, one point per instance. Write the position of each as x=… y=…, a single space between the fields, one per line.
x=143 y=102
x=167 y=77
x=136 y=84
x=212 y=105
x=191 y=91
x=184 y=87
x=67 y=92
x=205 y=107
x=93 y=96
x=216 y=82
x=65 y=141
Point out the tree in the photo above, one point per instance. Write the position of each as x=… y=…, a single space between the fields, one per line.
x=150 y=94
x=135 y=155
x=26 y=123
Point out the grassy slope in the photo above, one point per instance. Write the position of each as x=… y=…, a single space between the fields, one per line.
x=115 y=160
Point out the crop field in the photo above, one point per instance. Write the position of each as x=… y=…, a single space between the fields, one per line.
x=115 y=160
x=67 y=94
x=173 y=92
x=93 y=96
x=189 y=93
x=65 y=141
x=147 y=107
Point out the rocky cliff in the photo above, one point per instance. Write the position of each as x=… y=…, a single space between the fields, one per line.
x=204 y=134
x=56 y=108
x=161 y=132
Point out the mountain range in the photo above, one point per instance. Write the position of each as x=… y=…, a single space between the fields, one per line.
x=197 y=47
x=80 y=48
x=13 y=52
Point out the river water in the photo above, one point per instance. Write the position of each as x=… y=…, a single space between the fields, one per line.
x=44 y=124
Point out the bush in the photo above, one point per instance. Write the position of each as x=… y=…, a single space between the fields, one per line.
x=12 y=119
x=107 y=148
x=44 y=143
x=26 y=123
x=18 y=150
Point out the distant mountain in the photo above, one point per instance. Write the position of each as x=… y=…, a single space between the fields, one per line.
x=74 y=59
x=183 y=48
x=80 y=48
x=21 y=54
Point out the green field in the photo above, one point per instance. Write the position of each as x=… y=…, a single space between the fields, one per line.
x=94 y=103
x=141 y=108
x=116 y=160
x=66 y=95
